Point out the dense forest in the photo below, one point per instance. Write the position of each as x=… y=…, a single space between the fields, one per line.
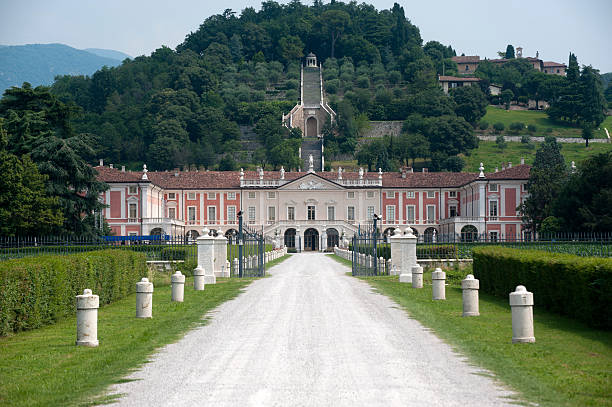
x=181 y=107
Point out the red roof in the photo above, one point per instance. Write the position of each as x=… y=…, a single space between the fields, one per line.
x=554 y=64
x=466 y=59
x=231 y=179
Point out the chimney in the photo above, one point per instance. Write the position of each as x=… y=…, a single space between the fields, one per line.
x=123 y=168
x=403 y=172
x=101 y=162
x=522 y=160
x=503 y=166
x=425 y=170
x=509 y=164
x=111 y=166
x=411 y=170
x=496 y=169
x=176 y=172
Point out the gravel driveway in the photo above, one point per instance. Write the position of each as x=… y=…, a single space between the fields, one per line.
x=310 y=336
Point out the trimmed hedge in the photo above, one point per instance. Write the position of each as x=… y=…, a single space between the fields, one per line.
x=579 y=287
x=436 y=251
x=37 y=291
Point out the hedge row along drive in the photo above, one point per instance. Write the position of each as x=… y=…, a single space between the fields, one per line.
x=37 y=291
x=579 y=287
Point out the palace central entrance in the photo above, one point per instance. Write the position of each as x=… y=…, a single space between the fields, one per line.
x=311 y=240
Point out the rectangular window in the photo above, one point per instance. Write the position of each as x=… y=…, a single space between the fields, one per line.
x=133 y=211
x=452 y=194
x=172 y=213
x=171 y=195
x=212 y=214
x=251 y=195
x=431 y=194
x=493 y=209
x=331 y=213
x=492 y=187
x=390 y=194
x=371 y=194
x=251 y=214
x=191 y=196
x=231 y=196
x=132 y=190
x=431 y=213
x=311 y=213
x=191 y=213
x=290 y=213
x=350 y=213
x=410 y=194
x=231 y=214
x=350 y=194
x=370 y=212
x=391 y=213
x=410 y=213
x=211 y=195
x=271 y=195
x=452 y=211
x=271 y=213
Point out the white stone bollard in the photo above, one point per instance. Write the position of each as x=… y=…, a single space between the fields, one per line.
x=198 y=279
x=236 y=266
x=521 y=303
x=87 y=319
x=381 y=266
x=417 y=276
x=144 y=298
x=228 y=269
x=438 y=280
x=178 y=286
x=469 y=287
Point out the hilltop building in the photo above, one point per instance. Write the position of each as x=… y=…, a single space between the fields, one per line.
x=467 y=64
x=312 y=111
x=315 y=210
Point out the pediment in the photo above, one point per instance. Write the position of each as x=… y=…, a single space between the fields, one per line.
x=311 y=182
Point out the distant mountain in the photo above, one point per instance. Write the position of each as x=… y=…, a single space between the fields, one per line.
x=108 y=53
x=38 y=64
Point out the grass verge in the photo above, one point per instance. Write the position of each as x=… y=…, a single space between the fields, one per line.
x=569 y=365
x=44 y=368
x=276 y=261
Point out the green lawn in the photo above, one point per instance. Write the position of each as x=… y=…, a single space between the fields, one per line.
x=541 y=120
x=569 y=365
x=43 y=367
x=492 y=156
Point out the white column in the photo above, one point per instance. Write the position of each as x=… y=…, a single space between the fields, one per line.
x=206 y=255
x=420 y=216
x=400 y=207
x=403 y=253
x=482 y=199
x=220 y=254
x=221 y=209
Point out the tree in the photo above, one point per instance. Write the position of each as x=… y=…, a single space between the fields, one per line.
x=57 y=151
x=509 y=52
x=471 y=103
x=584 y=204
x=25 y=207
x=500 y=141
x=587 y=134
x=413 y=146
x=291 y=48
x=593 y=110
x=227 y=163
x=334 y=23
x=546 y=179
x=450 y=135
x=507 y=96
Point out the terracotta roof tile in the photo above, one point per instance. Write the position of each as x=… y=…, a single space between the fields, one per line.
x=457 y=79
x=517 y=172
x=551 y=63
x=466 y=59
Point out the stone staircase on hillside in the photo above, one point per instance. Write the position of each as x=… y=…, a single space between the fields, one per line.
x=311 y=146
x=312 y=87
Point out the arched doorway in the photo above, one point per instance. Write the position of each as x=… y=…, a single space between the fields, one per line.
x=428 y=235
x=469 y=233
x=290 y=238
x=311 y=127
x=311 y=239
x=156 y=232
x=231 y=235
x=333 y=238
x=192 y=234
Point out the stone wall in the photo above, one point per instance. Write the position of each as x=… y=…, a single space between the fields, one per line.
x=380 y=129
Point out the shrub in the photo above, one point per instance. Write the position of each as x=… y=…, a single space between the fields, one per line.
x=483 y=125
x=532 y=128
x=498 y=127
x=579 y=287
x=501 y=142
x=332 y=86
x=525 y=139
x=441 y=251
x=37 y=291
x=363 y=82
x=516 y=127
x=548 y=130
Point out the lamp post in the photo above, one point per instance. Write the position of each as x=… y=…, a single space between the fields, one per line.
x=240 y=242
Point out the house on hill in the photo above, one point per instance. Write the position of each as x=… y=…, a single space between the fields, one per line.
x=467 y=64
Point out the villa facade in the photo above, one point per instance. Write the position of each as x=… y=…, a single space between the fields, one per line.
x=316 y=210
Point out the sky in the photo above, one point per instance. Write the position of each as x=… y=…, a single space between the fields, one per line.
x=476 y=27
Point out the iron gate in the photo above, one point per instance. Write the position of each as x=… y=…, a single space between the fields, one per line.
x=366 y=251
x=249 y=250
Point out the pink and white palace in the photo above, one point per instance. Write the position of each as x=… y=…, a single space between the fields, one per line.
x=323 y=208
